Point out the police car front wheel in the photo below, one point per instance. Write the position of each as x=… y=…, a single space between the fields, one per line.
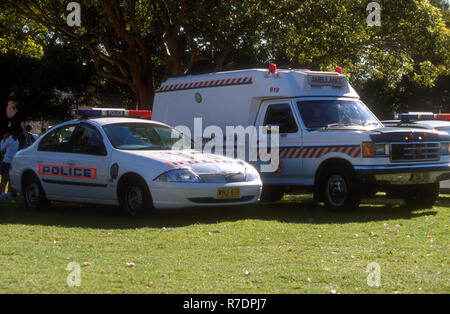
x=134 y=197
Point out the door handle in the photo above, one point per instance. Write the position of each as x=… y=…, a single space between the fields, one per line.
x=71 y=163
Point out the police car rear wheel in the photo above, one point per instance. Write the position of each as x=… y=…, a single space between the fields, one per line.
x=33 y=194
x=339 y=191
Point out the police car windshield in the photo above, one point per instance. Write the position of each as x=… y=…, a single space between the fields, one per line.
x=319 y=114
x=145 y=136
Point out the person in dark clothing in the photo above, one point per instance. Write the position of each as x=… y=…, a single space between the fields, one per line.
x=29 y=137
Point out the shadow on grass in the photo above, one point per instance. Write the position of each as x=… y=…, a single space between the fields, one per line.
x=293 y=209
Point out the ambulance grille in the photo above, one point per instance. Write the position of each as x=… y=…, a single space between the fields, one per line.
x=415 y=151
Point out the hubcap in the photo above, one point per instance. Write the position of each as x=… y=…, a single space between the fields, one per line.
x=336 y=190
x=134 y=199
x=32 y=194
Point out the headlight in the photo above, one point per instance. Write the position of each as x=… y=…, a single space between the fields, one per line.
x=370 y=149
x=445 y=148
x=251 y=174
x=179 y=175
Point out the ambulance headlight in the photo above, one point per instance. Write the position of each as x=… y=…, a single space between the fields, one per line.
x=179 y=175
x=370 y=149
x=251 y=174
x=445 y=148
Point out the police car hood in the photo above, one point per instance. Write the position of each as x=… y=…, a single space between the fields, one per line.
x=397 y=134
x=198 y=162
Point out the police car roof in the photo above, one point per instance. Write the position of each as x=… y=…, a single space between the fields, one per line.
x=101 y=121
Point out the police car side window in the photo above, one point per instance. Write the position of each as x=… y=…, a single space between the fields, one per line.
x=87 y=140
x=58 y=140
x=281 y=115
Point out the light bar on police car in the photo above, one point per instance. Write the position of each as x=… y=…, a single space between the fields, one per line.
x=110 y=112
x=421 y=116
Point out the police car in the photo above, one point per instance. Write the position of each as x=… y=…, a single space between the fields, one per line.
x=329 y=142
x=423 y=120
x=136 y=163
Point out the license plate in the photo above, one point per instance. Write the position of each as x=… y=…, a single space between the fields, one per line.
x=223 y=193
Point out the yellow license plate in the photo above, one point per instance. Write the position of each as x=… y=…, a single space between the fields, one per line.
x=223 y=193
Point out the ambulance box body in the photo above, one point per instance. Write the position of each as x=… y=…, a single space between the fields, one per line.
x=329 y=141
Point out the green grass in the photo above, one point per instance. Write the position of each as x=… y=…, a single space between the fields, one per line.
x=292 y=246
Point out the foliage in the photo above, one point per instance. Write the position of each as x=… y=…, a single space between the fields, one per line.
x=139 y=43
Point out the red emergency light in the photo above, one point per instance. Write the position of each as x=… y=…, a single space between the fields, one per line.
x=141 y=114
x=443 y=116
x=273 y=68
x=338 y=70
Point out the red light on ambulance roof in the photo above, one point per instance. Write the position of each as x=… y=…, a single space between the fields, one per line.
x=272 y=68
x=338 y=70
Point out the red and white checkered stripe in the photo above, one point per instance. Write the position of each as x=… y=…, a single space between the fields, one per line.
x=317 y=152
x=203 y=84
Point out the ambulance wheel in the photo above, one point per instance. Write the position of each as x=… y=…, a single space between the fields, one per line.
x=134 y=197
x=338 y=191
x=270 y=194
x=424 y=196
x=33 y=194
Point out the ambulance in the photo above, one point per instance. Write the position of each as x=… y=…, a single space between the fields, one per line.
x=328 y=142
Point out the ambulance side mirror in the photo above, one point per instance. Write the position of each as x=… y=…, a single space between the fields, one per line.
x=270 y=127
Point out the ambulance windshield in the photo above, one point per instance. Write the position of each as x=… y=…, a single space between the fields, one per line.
x=324 y=114
x=145 y=136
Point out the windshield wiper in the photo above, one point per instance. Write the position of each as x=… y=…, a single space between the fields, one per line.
x=365 y=123
x=331 y=125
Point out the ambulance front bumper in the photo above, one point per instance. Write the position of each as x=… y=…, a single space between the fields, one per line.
x=403 y=174
x=179 y=195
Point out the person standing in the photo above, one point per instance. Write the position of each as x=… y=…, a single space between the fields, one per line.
x=29 y=137
x=9 y=147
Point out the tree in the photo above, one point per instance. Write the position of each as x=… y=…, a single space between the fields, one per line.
x=113 y=32
x=139 y=43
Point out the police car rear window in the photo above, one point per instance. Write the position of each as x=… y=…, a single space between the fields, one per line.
x=145 y=136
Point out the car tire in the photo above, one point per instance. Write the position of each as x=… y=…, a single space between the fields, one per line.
x=271 y=194
x=33 y=194
x=338 y=190
x=135 y=197
x=423 y=197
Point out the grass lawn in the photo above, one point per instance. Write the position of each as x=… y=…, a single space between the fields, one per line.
x=292 y=246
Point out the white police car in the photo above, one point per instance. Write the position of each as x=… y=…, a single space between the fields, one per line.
x=423 y=120
x=139 y=164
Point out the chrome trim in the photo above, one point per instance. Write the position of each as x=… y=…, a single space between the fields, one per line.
x=402 y=167
x=436 y=146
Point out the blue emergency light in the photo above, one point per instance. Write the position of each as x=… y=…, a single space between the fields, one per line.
x=110 y=112
x=421 y=116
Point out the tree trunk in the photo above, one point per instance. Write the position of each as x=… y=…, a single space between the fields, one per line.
x=145 y=94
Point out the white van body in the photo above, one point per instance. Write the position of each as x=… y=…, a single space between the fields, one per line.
x=306 y=152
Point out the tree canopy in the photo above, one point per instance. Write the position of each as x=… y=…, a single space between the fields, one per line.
x=131 y=46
